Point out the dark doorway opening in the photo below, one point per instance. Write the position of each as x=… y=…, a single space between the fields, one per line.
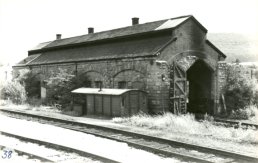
x=199 y=76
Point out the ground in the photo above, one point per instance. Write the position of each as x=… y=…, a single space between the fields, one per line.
x=183 y=128
x=120 y=152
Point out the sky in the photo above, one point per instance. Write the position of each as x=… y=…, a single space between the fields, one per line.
x=26 y=23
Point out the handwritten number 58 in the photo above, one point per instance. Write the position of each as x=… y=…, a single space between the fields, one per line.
x=7 y=154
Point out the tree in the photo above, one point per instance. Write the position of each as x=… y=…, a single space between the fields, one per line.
x=30 y=81
x=239 y=91
x=13 y=91
x=60 y=85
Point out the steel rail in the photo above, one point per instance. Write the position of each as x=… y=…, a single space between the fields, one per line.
x=111 y=133
x=58 y=147
x=30 y=155
x=233 y=123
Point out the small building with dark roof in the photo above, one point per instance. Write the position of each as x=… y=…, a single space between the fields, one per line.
x=170 y=59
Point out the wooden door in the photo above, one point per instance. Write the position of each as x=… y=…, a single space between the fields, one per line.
x=178 y=89
x=134 y=103
x=90 y=104
x=107 y=105
x=98 y=104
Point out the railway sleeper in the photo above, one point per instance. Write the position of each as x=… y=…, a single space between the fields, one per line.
x=218 y=155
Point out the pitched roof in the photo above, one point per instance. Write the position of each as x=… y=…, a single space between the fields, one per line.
x=142 y=40
x=27 y=60
x=215 y=48
x=140 y=47
x=120 y=32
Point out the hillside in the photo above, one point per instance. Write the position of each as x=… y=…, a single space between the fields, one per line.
x=243 y=47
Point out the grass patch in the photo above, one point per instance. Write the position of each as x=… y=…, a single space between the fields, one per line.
x=10 y=104
x=186 y=124
x=248 y=113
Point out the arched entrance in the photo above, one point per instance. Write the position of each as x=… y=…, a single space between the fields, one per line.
x=199 y=77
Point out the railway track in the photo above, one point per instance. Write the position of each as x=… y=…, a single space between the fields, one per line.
x=180 y=150
x=61 y=150
x=229 y=122
x=232 y=123
x=29 y=155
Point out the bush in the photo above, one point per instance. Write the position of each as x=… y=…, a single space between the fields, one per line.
x=34 y=101
x=256 y=98
x=58 y=88
x=13 y=91
x=239 y=91
x=169 y=125
x=25 y=87
x=240 y=114
x=31 y=83
x=248 y=113
x=60 y=85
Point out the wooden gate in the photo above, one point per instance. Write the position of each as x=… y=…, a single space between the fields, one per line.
x=178 y=92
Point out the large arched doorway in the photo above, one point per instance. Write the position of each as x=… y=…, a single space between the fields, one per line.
x=199 y=76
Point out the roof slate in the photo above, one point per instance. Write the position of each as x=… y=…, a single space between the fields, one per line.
x=215 y=48
x=120 y=32
x=122 y=49
x=74 y=49
x=27 y=60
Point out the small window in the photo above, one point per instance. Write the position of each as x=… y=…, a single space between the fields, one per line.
x=122 y=85
x=98 y=84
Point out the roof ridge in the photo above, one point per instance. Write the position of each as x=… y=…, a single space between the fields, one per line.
x=181 y=17
x=131 y=30
x=124 y=27
x=109 y=30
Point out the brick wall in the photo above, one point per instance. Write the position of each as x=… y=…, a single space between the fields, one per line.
x=146 y=73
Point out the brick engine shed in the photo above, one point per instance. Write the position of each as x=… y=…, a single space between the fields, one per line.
x=170 y=59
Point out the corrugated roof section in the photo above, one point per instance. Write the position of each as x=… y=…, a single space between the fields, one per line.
x=103 y=91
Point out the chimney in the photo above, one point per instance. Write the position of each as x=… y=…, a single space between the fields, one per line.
x=90 y=30
x=58 y=36
x=135 y=21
